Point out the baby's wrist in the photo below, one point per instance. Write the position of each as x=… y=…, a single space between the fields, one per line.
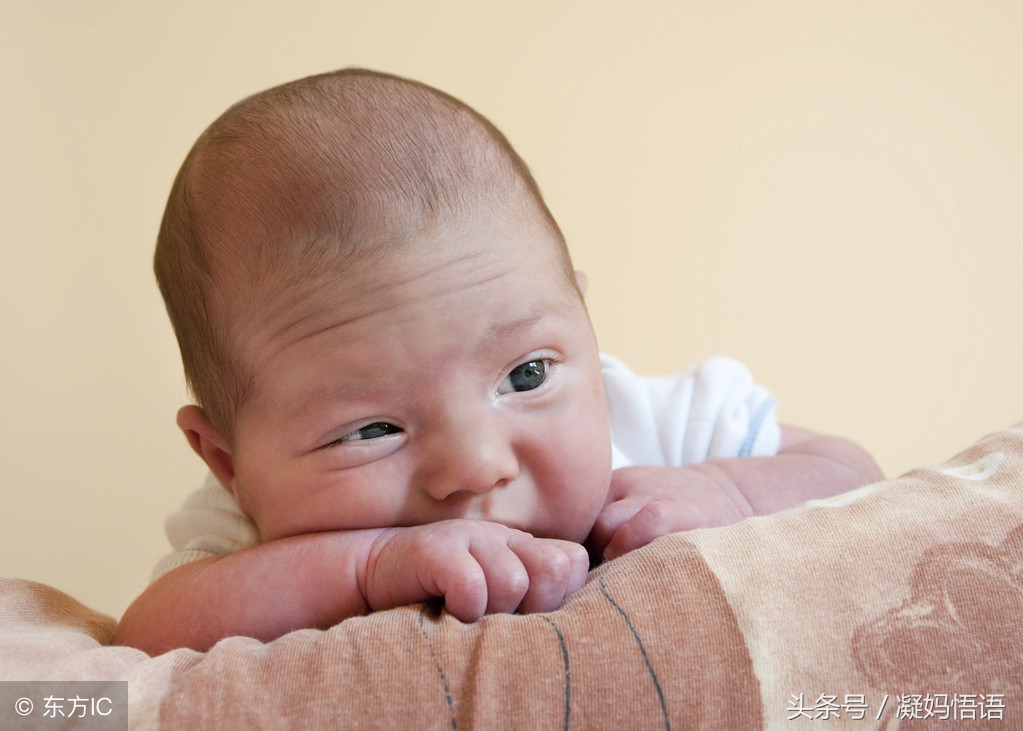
x=370 y=583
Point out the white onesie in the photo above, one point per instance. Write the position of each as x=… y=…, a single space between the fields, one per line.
x=712 y=410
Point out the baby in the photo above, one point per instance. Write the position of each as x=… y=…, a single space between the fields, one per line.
x=398 y=389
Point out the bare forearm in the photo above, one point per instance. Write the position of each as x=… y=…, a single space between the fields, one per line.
x=808 y=467
x=263 y=592
x=317 y=580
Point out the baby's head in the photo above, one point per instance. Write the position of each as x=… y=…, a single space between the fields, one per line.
x=378 y=317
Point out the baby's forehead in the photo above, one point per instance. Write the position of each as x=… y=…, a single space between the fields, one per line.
x=371 y=298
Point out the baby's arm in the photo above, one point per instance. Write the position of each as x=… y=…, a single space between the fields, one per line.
x=647 y=502
x=317 y=580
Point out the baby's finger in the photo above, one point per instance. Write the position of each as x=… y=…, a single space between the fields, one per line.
x=556 y=570
x=653 y=520
x=507 y=580
x=461 y=580
x=609 y=520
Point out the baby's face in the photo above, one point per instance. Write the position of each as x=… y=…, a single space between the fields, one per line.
x=457 y=378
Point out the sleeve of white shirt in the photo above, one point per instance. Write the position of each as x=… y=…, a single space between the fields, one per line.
x=712 y=410
x=210 y=523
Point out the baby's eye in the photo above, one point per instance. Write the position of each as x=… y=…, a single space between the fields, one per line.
x=524 y=377
x=371 y=431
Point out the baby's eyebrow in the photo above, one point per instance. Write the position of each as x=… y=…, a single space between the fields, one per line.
x=517 y=325
x=345 y=390
x=510 y=328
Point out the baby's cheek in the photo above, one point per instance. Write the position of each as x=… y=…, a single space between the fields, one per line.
x=577 y=462
x=589 y=482
x=586 y=497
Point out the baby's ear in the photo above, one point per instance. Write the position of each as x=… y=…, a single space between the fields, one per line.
x=208 y=444
x=581 y=281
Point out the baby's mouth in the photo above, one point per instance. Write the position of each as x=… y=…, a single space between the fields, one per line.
x=492 y=507
x=480 y=508
x=512 y=508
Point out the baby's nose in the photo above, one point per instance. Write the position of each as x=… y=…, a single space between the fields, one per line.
x=473 y=459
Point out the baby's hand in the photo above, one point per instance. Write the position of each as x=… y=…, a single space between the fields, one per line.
x=477 y=566
x=648 y=502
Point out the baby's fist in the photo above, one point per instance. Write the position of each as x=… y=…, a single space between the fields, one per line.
x=478 y=567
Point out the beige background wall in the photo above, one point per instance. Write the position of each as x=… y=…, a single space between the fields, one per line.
x=829 y=191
